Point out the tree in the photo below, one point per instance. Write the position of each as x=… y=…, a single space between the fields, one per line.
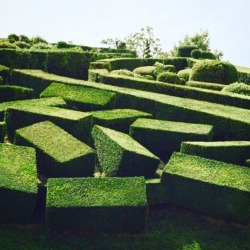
x=201 y=40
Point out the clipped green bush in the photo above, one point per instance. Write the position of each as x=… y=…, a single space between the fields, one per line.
x=214 y=71
x=18 y=183
x=59 y=154
x=22 y=45
x=13 y=93
x=145 y=70
x=128 y=157
x=184 y=73
x=122 y=72
x=7 y=45
x=244 y=74
x=207 y=186
x=207 y=55
x=4 y=73
x=77 y=123
x=97 y=204
x=206 y=85
x=164 y=137
x=196 y=53
x=238 y=88
x=118 y=119
x=81 y=97
x=2 y=131
x=156 y=192
x=235 y=152
x=185 y=51
x=169 y=77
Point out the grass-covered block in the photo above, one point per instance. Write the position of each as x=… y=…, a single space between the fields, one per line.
x=2 y=131
x=120 y=155
x=108 y=204
x=118 y=119
x=208 y=186
x=81 y=97
x=163 y=137
x=156 y=192
x=235 y=152
x=77 y=123
x=18 y=183
x=59 y=154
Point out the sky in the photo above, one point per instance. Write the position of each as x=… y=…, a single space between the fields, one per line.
x=88 y=22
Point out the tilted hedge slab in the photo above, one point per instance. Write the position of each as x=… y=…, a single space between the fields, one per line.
x=81 y=97
x=211 y=187
x=206 y=85
x=77 y=123
x=120 y=155
x=52 y=101
x=118 y=119
x=59 y=154
x=164 y=137
x=18 y=183
x=12 y=93
x=229 y=122
x=2 y=131
x=235 y=152
x=97 y=204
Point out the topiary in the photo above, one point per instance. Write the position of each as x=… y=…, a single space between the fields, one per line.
x=123 y=72
x=207 y=55
x=214 y=71
x=7 y=45
x=169 y=77
x=184 y=73
x=185 y=51
x=146 y=70
x=196 y=53
x=238 y=88
x=169 y=68
x=13 y=38
x=22 y=45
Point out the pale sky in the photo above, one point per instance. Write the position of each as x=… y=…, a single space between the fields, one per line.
x=88 y=22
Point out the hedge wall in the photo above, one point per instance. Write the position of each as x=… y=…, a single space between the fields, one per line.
x=98 y=204
x=18 y=183
x=4 y=73
x=121 y=155
x=59 y=154
x=206 y=85
x=2 y=131
x=211 y=187
x=235 y=152
x=244 y=74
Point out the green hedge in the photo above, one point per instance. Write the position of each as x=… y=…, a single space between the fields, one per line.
x=2 y=131
x=205 y=85
x=81 y=97
x=185 y=51
x=238 y=88
x=52 y=101
x=97 y=204
x=59 y=154
x=184 y=73
x=118 y=119
x=211 y=187
x=244 y=74
x=156 y=192
x=235 y=152
x=13 y=93
x=164 y=137
x=18 y=183
x=121 y=155
x=4 y=73
x=77 y=123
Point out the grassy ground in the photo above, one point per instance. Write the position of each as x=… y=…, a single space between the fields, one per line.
x=168 y=228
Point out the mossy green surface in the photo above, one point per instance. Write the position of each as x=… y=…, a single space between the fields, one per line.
x=97 y=204
x=235 y=152
x=118 y=119
x=18 y=183
x=77 y=123
x=208 y=186
x=163 y=137
x=81 y=97
x=120 y=155
x=58 y=152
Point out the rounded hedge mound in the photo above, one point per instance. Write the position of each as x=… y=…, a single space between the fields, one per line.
x=123 y=72
x=238 y=88
x=184 y=73
x=169 y=77
x=214 y=71
x=196 y=53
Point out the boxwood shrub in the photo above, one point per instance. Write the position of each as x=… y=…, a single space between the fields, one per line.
x=169 y=77
x=4 y=73
x=2 y=131
x=185 y=51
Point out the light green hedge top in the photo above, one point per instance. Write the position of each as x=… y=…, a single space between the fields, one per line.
x=18 y=168
x=96 y=192
x=211 y=171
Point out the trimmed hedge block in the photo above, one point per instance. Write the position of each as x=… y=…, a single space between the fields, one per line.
x=235 y=152
x=97 y=204
x=247 y=163
x=4 y=73
x=13 y=93
x=81 y=97
x=77 y=123
x=59 y=154
x=53 y=102
x=211 y=187
x=205 y=85
x=18 y=183
x=118 y=119
x=164 y=137
x=121 y=155
x=156 y=192
x=2 y=131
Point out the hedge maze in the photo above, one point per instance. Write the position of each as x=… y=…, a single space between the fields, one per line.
x=106 y=149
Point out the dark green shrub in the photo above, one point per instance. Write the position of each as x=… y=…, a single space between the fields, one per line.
x=244 y=74
x=13 y=38
x=169 y=77
x=196 y=53
x=238 y=88
x=122 y=72
x=1 y=80
x=4 y=73
x=41 y=46
x=156 y=192
x=59 y=154
x=184 y=73
x=7 y=45
x=170 y=68
x=24 y=38
x=214 y=71
x=22 y=45
x=206 y=85
x=185 y=51
x=97 y=204
x=2 y=131
x=207 y=55
x=211 y=187
x=145 y=70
